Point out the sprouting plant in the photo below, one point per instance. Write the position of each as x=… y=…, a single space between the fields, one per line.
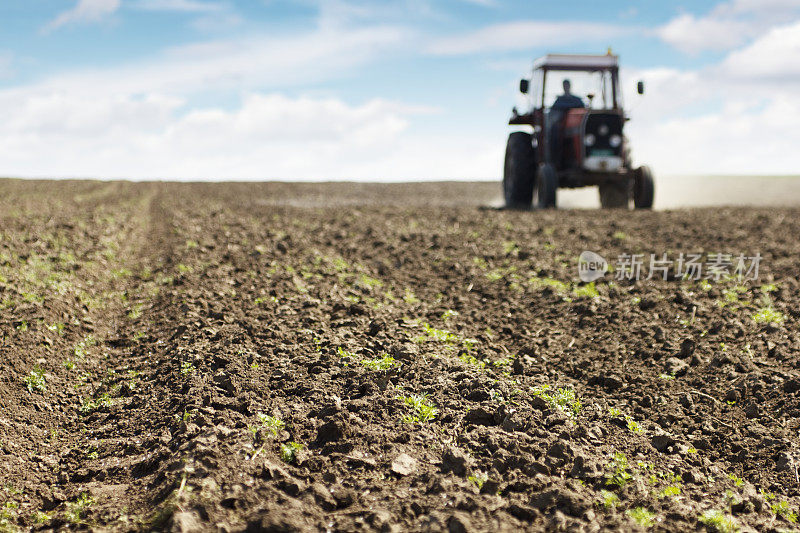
x=409 y=297
x=705 y=285
x=619 y=236
x=35 y=381
x=736 y=480
x=89 y=405
x=783 y=510
x=369 y=282
x=268 y=422
x=586 y=291
x=718 y=521
x=471 y=360
x=670 y=491
x=58 y=327
x=478 y=479
x=768 y=314
x=39 y=517
x=289 y=452
x=613 y=411
x=384 y=362
x=449 y=314
x=422 y=410
x=642 y=516
x=609 y=499
x=633 y=425
x=81 y=349
x=563 y=399
x=187 y=368
x=619 y=475
x=666 y=377
x=136 y=311
x=344 y=353
x=22 y=326
x=440 y=335
x=77 y=510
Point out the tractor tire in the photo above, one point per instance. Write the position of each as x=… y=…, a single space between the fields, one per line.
x=615 y=195
x=643 y=188
x=544 y=191
x=519 y=171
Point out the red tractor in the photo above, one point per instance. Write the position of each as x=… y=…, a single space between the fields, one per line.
x=575 y=142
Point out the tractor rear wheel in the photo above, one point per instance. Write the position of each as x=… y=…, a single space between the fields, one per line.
x=643 y=188
x=519 y=171
x=615 y=195
x=546 y=186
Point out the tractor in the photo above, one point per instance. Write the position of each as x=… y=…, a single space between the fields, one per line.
x=578 y=137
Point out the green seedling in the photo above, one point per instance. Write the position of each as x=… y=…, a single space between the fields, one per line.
x=718 y=521
x=421 y=408
x=610 y=500
x=563 y=399
x=439 y=335
x=619 y=475
x=409 y=297
x=344 y=354
x=447 y=315
x=478 y=479
x=35 y=381
x=633 y=425
x=136 y=311
x=39 y=517
x=77 y=511
x=670 y=491
x=736 y=480
x=58 y=327
x=783 y=510
x=642 y=516
x=586 y=291
x=90 y=405
x=385 y=362
x=289 y=452
x=270 y=423
x=187 y=368
x=472 y=360
x=766 y=315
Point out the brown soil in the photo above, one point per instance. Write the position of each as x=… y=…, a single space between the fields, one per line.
x=164 y=344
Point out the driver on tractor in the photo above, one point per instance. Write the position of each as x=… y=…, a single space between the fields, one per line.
x=555 y=117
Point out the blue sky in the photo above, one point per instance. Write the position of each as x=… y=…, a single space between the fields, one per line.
x=348 y=89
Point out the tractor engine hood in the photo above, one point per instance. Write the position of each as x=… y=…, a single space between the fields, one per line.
x=603 y=141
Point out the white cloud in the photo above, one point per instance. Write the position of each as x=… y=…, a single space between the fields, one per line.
x=232 y=64
x=187 y=6
x=85 y=11
x=773 y=57
x=728 y=25
x=266 y=136
x=691 y=34
x=525 y=35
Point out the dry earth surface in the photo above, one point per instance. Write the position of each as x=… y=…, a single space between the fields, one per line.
x=273 y=357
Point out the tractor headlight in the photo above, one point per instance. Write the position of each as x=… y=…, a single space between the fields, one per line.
x=615 y=141
x=603 y=130
x=589 y=140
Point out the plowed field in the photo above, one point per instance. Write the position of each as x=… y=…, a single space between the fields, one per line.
x=273 y=357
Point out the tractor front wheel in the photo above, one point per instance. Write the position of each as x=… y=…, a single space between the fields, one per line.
x=519 y=171
x=643 y=188
x=546 y=186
